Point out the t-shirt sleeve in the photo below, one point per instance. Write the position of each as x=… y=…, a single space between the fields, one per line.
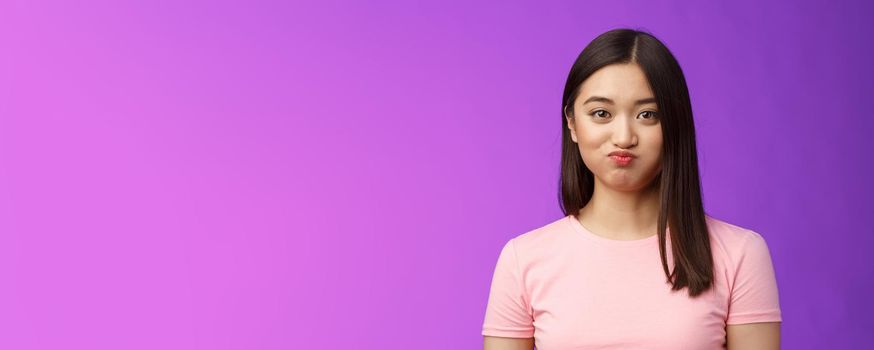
x=754 y=296
x=508 y=313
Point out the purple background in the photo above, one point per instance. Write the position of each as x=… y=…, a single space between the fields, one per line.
x=329 y=175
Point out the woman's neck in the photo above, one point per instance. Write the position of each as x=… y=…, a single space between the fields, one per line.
x=622 y=215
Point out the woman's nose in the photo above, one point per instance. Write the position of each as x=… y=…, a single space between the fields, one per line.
x=623 y=132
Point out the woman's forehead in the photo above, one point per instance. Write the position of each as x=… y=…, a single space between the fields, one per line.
x=617 y=82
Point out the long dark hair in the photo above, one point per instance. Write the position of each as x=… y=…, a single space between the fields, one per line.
x=681 y=207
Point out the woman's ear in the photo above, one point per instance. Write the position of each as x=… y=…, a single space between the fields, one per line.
x=570 y=124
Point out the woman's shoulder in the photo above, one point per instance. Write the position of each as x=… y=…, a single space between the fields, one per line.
x=729 y=231
x=544 y=233
x=733 y=240
x=545 y=241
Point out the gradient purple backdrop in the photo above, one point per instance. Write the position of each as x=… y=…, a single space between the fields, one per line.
x=340 y=175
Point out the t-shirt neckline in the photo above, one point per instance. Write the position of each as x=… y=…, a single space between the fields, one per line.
x=584 y=232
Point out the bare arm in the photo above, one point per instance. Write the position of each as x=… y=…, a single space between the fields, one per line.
x=502 y=343
x=753 y=336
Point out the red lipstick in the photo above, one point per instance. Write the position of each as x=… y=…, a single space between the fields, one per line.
x=622 y=158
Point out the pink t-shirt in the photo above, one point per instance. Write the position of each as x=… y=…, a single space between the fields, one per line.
x=572 y=289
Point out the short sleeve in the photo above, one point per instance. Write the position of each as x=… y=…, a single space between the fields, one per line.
x=507 y=313
x=754 y=296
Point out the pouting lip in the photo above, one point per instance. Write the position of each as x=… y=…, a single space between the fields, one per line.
x=622 y=154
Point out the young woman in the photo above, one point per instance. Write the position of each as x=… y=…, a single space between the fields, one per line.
x=636 y=263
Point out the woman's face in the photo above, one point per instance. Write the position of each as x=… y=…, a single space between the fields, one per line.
x=616 y=111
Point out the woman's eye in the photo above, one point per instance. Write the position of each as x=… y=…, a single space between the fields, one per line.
x=598 y=113
x=651 y=113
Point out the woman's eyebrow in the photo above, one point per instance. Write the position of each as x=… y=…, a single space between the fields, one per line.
x=609 y=101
